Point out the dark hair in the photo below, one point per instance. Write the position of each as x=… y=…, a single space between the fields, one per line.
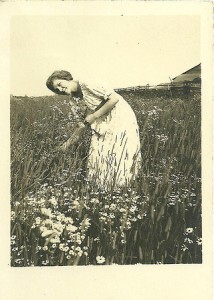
x=65 y=75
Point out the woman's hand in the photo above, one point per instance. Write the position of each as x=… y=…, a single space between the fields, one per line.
x=90 y=118
x=77 y=133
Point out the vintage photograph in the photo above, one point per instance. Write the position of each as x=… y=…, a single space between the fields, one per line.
x=105 y=140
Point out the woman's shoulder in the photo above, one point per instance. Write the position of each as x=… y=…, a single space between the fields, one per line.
x=94 y=84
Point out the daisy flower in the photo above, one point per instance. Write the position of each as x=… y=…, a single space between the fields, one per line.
x=189 y=230
x=100 y=259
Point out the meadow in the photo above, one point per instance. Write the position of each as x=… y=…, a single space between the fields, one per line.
x=58 y=218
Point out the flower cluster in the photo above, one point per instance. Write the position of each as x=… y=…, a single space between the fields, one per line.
x=59 y=230
x=190 y=238
x=154 y=112
x=161 y=137
x=121 y=212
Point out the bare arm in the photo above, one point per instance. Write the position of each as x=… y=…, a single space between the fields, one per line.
x=110 y=103
x=78 y=131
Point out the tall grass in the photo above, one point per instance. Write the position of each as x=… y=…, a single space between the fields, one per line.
x=59 y=218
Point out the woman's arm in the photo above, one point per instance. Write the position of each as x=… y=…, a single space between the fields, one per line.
x=78 y=131
x=110 y=103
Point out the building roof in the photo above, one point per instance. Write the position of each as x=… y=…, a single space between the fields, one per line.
x=193 y=74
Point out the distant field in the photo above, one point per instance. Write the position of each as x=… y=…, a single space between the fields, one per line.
x=57 y=218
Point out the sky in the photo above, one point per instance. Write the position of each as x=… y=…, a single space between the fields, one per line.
x=121 y=51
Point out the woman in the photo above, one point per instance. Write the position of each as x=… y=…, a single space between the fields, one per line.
x=114 y=156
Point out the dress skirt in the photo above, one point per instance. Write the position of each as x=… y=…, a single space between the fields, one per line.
x=114 y=157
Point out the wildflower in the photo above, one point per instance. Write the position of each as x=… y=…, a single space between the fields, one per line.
x=71 y=252
x=75 y=204
x=112 y=207
x=45 y=248
x=123 y=241
x=61 y=247
x=42 y=228
x=80 y=253
x=86 y=222
x=68 y=257
x=133 y=209
x=48 y=222
x=104 y=214
x=85 y=253
x=63 y=217
x=199 y=241
x=38 y=221
x=44 y=263
x=18 y=261
x=187 y=240
x=58 y=227
x=100 y=259
x=41 y=201
x=53 y=201
x=71 y=228
x=17 y=203
x=184 y=248
x=189 y=230
x=59 y=218
x=55 y=240
x=66 y=249
x=13 y=237
x=94 y=200
x=69 y=220
x=162 y=137
x=46 y=212
x=54 y=245
x=46 y=233
x=128 y=223
x=14 y=249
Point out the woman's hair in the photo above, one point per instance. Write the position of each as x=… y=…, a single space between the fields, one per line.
x=65 y=75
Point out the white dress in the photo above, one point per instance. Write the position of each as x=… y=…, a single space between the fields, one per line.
x=114 y=157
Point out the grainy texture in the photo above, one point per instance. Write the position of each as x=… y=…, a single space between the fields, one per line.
x=58 y=218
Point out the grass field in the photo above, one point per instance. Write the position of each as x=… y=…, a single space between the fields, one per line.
x=58 y=218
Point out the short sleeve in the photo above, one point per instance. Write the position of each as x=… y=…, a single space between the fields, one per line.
x=94 y=93
x=100 y=90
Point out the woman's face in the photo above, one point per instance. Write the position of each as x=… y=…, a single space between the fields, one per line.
x=64 y=86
